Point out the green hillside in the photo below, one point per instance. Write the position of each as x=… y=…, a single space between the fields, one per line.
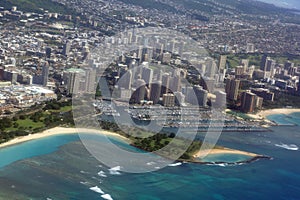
x=36 y=5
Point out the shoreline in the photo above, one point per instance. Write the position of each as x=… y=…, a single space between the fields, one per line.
x=58 y=131
x=64 y=131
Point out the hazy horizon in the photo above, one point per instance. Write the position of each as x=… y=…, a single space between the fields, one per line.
x=284 y=3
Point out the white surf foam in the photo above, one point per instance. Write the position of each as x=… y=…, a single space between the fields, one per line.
x=115 y=170
x=102 y=174
x=291 y=147
x=107 y=197
x=220 y=164
x=151 y=163
x=97 y=189
x=175 y=164
x=84 y=183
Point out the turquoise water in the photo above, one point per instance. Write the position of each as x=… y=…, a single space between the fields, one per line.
x=34 y=148
x=63 y=169
x=288 y=120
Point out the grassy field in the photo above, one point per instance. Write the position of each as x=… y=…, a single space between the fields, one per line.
x=26 y=124
x=244 y=116
x=233 y=60
x=62 y=109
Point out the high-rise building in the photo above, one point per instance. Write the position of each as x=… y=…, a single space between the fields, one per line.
x=1 y=73
x=169 y=100
x=126 y=80
x=11 y=76
x=259 y=102
x=190 y=95
x=155 y=90
x=270 y=65
x=180 y=98
x=292 y=71
x=263 y=63
x=147 y=75
x=220 y=100
x=196 y=96
x=48 y=52
x=73 y=82
x=45 y=74
x=298 y=86
x=165 y=83
x=175 y=84
x=222 y=62
x=201 y=96
x=90 y=81
x=288 y=65
x=211 y=68
x=140 y=53
x=139 y=94
x=232 y=88
x=66 y=48
x=210 y=84
x=248 y=102
x=264 y=93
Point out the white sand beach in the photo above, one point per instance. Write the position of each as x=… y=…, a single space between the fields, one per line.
x=58 y=131
x=285 y=111
x=264 y=113
x=204 y=153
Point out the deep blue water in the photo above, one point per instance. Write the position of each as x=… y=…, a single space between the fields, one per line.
x=60 y=168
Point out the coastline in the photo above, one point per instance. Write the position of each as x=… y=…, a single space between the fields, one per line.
x=59 y=131
x=63 y=131
x=262 y=115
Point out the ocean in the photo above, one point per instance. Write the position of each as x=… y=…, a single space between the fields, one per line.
x=59 y=167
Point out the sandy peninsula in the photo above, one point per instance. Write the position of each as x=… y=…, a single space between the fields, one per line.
x=204 y=153
x=58 y=131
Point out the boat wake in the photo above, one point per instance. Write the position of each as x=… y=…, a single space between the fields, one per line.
x=291 y=147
